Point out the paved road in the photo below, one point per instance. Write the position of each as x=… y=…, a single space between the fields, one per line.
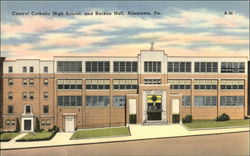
x=230 y=144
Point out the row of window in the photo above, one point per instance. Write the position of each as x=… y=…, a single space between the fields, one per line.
x=30 y=95
x=212 y=100
x=28 y=109
x=149 y=66
x=12 y=122
x=26 y=82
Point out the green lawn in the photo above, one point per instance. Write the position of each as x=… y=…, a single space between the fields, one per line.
x=104 y=132
x=7 y=136
x=36 y=136
x=215 y=124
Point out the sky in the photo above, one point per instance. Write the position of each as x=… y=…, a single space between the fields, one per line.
x=181 y=28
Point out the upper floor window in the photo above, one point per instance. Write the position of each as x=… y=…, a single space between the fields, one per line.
x=45 y=95
x=125 y=66
x=97 y=84
x=97 y=66
x=45 y=109
x=24 y=69
x=27 y=109
x=45 y=69
x=31 y=94
x=10 y=95
x=45 y=82
x=69 y=84
x=69 y=66
x=10 y=69
x=125 y=84
x=232 y=84
x=206 y=67
x=180 y=84
x=24 y=95
x=31 y=82
x=205 y=84
x=10 y=82
x=179 y=66
x=31 y=69
x=69 y=100
x=232 y=67
x=152 y=81
x=154 y=66
x=10 y=109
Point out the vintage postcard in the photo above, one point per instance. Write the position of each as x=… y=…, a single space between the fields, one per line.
x=124 y=78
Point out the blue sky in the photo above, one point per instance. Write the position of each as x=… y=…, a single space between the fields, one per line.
x=182 y=29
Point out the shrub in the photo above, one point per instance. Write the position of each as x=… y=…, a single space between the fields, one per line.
x=223 y=117
x=132 y=119
x=37 y=126
x=187 y=119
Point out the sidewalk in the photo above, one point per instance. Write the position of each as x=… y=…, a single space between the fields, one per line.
x=138 y=132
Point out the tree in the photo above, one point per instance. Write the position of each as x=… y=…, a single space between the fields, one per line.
x=17 y=125
x=37 y=126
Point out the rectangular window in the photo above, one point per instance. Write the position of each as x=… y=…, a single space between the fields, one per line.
x=43 y=123
x=179 y=66
x=201 y=101
x=45 y=69
x=24 y=69
x=152 y=81
x=123 y=84
x=186 y=101
x=119 y=101
x=152 y=66
x=125 y=66
x=45 y=95
x=10 y=109
x=97 y=66
x=10 y=69
x=47 y=122
x=97 y=84
x=24 y=94
x=232 y=84
x=45 y=82
x=31 y=69
x=31 y=94
x=69 y=100
x=232 y=67
x=10 y=95
x=232 y=101
x=24 y=82
x=45 y=109
x=206 y=67
x=27 y=109
x=10 y=82
x=69 y=66
x=69 y=84
x=180 y=84
x=97 y=101
x=10 y=122
x=31 y=82
x=205 y=84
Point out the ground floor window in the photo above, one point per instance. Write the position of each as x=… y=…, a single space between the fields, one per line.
x=119 y=101
x=69 y=100
x=97 y=101
x=186 y=101
x=205 y=100
x=232 y=100
x=10 y=122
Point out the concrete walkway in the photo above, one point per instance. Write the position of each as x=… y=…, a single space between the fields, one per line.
x=138 y=132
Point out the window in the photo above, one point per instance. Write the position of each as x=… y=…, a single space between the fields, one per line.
x=179 y=66
x=232 y=67
x=119 y=101
x=45 y=95
x=31 y=82
x=10 y=109
x=10 y=95
x=31 y=69
x=125 y=84
x=10 y=122
x=31 y=94
x=97 y=84
x=206 y=67
x=125 y=66
x=232 y=84
x=232 y=101
x=27 y=109
x=152 y=81
x=69 y=66
x=97 y=67
x=24 y=69
x=186 y=101
x=24 y=95
x=69 y=84
x=45 y=109
x=205 y=84
x=97 y=101
x=45 y=122
x=180 y=84
x=24 y=82
x=152 y=66
x=45 y=69
x=69 y=100
x=10 y=69
x=45 y=82
x=205 y=101
x=10 y=82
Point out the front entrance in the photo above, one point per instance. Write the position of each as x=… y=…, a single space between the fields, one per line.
x=154 y=107
x=69 y=123
x=27 y=125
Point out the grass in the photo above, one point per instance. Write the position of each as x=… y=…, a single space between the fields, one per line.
x=7 y=136
x=196 y=124
x=36 y=136
x=104 y=132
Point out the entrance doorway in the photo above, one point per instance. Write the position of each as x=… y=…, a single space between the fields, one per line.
x=154 y=107
x=69 y=123
x=27 y=125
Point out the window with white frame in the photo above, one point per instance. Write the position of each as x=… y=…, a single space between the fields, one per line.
x=31 y=94
x=179 y=66
x=10 y=69
x=123 y=84
x=179 y=84
x=10 y=82
x=24 y=69
x=125 y=66
x=97 y=66
x=205 y=84
x=69 y=100
x=45 y=69
x=10 y=95
x=152 y=81
x=24 y=82
x=45 y=82
x=232 y=67
x=119 y=101
x=152 y=66
x=69 y=84
x=31 y=82
x=232 y=84
x=69 y=66
x=201 y=101
x=45 y=95
x=232 y=101
x=24 y=94
x=31 y=69
x=206 y=67
x=97 y=84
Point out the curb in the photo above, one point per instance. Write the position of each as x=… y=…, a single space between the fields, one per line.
x=216 y=128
